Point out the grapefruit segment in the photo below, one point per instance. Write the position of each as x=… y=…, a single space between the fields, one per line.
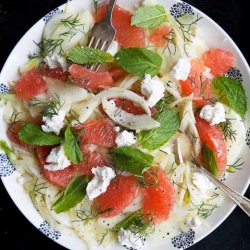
x=98 y=80
x=215 y=140
x=99 y=132
x=129 y=106
x=117 y=72
x=126 y=35
x=121 y=192
x=56 y=73
x=197 y=84
x=91 y=160
x=29 y=85
x=158 y=200
x=219 y=61
x=160 y=36
x=59 y=178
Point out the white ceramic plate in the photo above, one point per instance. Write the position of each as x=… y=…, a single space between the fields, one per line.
x=215 y=37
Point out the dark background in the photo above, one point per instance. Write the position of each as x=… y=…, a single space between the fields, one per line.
x=16 y=17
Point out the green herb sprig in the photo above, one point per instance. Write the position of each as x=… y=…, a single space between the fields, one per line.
x=132 y=160
x=154 y=138
x=33 y=134
x=209 y=160
x=237 y=165
x=204 y=210
x=72 y=195
x=186 y=28
x=232 y=94
x=71 y=147
x=149 y=17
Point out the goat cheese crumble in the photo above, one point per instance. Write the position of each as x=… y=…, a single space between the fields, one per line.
x=57 y=159
x=125 y=138
x=193 y=222
x=56 y=61
x=100 y=182
x=129 y=239
x=181 y=69
x=153 y=89
x=54 y=123
x=214 y=113
x=202 y=183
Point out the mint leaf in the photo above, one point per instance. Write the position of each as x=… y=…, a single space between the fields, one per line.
x=72 y=195
x=154 y=138
x=136 y=222
x=233 y=94
x=149 y=17
x=139 y=61
x=132 y=160
x=32 y=134
x=88 y=55
x=209 y=160
x=71 y=147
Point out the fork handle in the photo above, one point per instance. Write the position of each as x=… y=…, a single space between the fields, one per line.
x=239 y=199
x=110 y=9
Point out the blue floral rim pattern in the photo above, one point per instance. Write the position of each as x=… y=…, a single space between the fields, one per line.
x=6 y=167
x=184 y=239
x=51 y=13
x=49 y=232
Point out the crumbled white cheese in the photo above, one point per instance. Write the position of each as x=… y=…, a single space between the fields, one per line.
x=129 y=239
x=214 y=113
x=56 y=61
x=202 y=183
x=181 y=69
x=117 y=129
x=193 y=222
x=153 y=89
x=113 y=49
x=100 y=182
x=57 y=159
x=54 y=123
x=125 y=138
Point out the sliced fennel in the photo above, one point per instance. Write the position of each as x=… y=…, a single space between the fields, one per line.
x=66 y=30
x=88 y=108
x=128 y=120
x=67 y=93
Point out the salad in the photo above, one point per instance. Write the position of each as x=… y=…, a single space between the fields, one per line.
x=106 y=155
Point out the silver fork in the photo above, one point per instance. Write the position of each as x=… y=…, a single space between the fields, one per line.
x=102 y=34
x=242 y=201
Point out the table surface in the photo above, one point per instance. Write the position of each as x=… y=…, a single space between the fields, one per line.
x=16 y=17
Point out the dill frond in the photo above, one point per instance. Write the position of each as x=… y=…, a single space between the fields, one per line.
x=148 y=180
x=48 y=108
x=204 y=210
x=39 y=187
x=214 y=196
x=165 y=103
x=171 y=40
x=186 y=29
x=141 y=225
x=201 y=86
x=227 y=130
x=51 y=45
x=177 y=184
x=74 y=26
x=100 y=241
x=237 y=165
x=86 y=216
